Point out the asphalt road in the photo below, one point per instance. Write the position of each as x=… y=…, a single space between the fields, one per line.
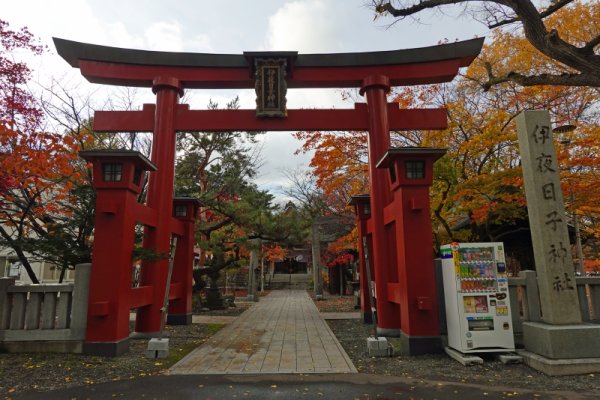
x=290 y=387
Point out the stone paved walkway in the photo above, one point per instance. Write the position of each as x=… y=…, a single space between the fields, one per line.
x=283 y=333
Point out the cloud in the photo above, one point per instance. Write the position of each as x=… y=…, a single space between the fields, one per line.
x=164 y=36
x=200 y=43
x=277 y=153
x=316 y=98
x=118 y=35
x=303 y=26
x=159 y=36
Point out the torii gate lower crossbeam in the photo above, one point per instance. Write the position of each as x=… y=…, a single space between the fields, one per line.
x=187 y=120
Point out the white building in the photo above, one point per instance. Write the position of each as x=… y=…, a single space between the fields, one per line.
x=10 y=266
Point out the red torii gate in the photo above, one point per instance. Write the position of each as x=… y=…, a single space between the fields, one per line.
x=168 y=74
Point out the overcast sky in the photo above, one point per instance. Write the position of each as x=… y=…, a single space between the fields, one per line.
x=233 y=26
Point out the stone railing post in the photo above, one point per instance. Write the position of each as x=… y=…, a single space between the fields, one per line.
x=595 y=300
x=531 y=297
x=5 y=283
x=584 y=305
x=515 y=306
x=80 y=301
x=590 y=306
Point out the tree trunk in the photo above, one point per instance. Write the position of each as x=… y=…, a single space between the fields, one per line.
x=20 y=255
x=316 y=259
x=63 y=272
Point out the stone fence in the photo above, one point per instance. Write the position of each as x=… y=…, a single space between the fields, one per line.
x=525 y=299
x=52 y=317
x=44 y=317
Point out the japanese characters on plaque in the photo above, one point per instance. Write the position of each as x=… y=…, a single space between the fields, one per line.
x=549 y=232
x=271 y=87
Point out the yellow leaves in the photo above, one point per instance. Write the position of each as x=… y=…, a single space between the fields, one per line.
x=576 y=23
x=509 y=50
x=29 y=364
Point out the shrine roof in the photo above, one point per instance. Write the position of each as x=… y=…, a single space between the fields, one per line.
x=73 y=52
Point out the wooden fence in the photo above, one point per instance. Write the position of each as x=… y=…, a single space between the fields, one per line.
x=44 y=317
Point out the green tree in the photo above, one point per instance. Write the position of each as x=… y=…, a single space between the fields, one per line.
x=218 y=168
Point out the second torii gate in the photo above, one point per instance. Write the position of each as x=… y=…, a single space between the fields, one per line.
x=270 y=73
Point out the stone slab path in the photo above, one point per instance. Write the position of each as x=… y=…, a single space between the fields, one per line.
x=340 y=315
x=283 y=333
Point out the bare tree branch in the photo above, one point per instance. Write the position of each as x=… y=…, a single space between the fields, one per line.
x=555 y=6
x=589 y=47
x=386 y=6
x=544 y=79
x=583 y=60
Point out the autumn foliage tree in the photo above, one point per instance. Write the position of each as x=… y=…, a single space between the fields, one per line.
x=339 y=169
x=38 y=169
x=484 y=155
x=568 y=51
x=478 y=188
x=274 y=252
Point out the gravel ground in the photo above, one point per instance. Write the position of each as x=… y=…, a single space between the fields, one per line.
x=26 y=372
x=336 y=303
x=352 y=335
x=40 y=372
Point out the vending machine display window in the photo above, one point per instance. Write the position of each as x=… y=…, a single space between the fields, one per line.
x=475 y=304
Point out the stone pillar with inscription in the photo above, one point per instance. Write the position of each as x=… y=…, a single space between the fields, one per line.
x=553 y=261
x=561 y=335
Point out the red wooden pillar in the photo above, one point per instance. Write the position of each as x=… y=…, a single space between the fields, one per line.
x=160 y=198
x=117 y=176
x=180 y=309
x=375 y=89
x=362 y=211
x=410 y=171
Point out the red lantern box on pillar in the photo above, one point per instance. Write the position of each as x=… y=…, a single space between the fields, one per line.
x=118 y=176
x=180 y=295
x=118 y=169
x=362 y=210
x=410 y=176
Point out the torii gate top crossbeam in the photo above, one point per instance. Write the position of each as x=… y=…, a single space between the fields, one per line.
x=128 y=67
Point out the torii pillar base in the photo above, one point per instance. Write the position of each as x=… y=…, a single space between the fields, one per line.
x=106 y=349
x=417 y=345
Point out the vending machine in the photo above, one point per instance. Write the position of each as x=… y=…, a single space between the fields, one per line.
x=476 y=294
